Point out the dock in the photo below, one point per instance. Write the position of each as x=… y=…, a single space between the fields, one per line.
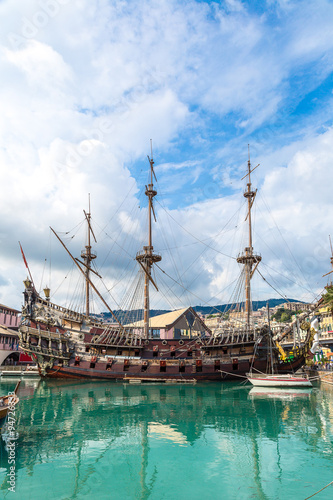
x=326 y=378
x=18 y=371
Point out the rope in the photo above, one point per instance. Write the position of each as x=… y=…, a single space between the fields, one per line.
x=319 y=491
x=233 y=374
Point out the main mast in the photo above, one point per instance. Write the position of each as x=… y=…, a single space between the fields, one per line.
x=87 y=257
x=147 y=258
x=248 y=258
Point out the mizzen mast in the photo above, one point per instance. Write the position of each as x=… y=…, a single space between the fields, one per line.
x=147 y=258
x=248 y=258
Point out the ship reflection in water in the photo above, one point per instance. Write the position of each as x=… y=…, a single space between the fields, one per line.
x=122 y=441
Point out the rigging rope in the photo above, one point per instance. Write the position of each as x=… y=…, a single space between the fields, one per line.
x=200 y=241
x=194 y=295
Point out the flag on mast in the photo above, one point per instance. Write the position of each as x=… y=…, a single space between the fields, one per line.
x=26 y=264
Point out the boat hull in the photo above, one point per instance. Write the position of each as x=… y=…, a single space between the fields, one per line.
x=226 y=371
x=280 y=381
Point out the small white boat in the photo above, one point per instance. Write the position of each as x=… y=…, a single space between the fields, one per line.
x=275 y=380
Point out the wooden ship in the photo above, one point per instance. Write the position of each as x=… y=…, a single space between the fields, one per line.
x=69 y=344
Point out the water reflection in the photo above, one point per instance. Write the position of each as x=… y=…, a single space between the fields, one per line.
x=138 y=441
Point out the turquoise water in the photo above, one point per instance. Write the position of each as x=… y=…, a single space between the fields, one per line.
x=120 y=441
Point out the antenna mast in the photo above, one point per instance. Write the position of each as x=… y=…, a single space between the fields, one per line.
x=248 y=258
x=147 y=258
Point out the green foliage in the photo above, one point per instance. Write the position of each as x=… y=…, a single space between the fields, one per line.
x=283 y=315
x=328 y=297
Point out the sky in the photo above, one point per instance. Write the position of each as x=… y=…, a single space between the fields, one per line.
x=84 y=88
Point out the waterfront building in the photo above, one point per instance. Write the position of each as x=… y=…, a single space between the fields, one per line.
x=10 y=352
x=180 y=324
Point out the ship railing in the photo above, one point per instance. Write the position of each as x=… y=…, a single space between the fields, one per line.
x=43 y=333
x=68 y=313
x=49 y=352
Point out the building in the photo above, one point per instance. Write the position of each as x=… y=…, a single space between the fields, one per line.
x=9 y=317
x=9 y=348
x=180 y=324
x=295 y=306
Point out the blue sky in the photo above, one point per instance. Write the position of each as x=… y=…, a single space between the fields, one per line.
x=86 y=85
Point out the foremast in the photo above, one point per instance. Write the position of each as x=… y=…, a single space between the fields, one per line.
x=147 y=257
x=249 y=259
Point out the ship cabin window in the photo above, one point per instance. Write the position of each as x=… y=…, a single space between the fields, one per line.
x=155 y=333
x=235 y=364
x=190 y=353
x=181 y=367
x=144 y=366
x=184 y=333
x=87 y=348
x=217 y=365
x=224 y=350
x=119 y=352
x=136 y=352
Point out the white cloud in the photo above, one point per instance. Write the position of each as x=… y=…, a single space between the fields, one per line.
x=86 y=86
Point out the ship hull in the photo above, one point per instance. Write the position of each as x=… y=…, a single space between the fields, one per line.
x=226 y=371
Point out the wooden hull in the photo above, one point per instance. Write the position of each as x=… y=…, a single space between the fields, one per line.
x=226 y=371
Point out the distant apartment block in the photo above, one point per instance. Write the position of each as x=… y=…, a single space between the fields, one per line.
x=295 y=306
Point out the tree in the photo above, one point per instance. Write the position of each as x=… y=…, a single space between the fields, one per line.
x=328 y=298
x=285 y=317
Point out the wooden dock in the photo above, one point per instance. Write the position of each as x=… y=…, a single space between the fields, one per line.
x=18 y=371
x=326 y=378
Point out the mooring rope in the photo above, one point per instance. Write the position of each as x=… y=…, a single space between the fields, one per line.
x=319 y=491
x=233 y=374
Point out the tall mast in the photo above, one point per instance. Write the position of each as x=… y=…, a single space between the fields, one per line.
x=87 y=257
x=147 y=258
x=248 y=258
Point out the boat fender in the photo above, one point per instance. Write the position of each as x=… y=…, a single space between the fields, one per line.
x=198 y=341
x=181 y=342
x=164 y=342
x=81 y=336
x=146 y=341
